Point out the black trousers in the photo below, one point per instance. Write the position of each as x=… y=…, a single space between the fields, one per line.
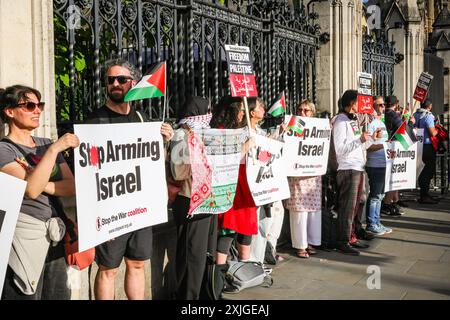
x=195 y=238
x=429 y=159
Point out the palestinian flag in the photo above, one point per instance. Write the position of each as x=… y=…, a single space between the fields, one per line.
x=405 y=136
x=279 y=107
x=296 y=124
x=406 y=114
x=152 y=85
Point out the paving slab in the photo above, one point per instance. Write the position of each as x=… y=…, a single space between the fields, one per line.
x=439 y=270
x=445 y=257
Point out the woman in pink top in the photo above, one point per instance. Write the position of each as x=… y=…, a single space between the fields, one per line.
x=305 y=203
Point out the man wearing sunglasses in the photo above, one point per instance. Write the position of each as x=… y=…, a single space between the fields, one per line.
x=136 y=246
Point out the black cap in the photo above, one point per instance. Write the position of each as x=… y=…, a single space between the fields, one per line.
x=425 y=104
x=391 y=100
x=194 y=106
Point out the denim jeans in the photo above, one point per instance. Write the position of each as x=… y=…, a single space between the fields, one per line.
x=376 y=195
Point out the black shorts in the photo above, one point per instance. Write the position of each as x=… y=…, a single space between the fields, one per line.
x=136 y=245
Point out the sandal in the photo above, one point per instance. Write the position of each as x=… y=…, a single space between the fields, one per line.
x=302 y=254
x=311 y=251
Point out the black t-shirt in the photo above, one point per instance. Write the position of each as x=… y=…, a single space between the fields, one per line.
x=106 y=115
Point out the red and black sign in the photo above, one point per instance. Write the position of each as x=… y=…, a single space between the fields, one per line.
x=365 y=104
x=240 y=69
x=423 y=86
x=365 y=100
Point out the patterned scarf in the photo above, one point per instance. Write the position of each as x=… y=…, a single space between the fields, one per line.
x=201 y=173
x=200 y=167
x=197 y=122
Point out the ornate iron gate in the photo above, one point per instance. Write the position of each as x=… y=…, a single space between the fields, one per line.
x=378 y=59
x=190 y=35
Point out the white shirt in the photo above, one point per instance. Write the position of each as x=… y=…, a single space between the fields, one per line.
x=347 y=143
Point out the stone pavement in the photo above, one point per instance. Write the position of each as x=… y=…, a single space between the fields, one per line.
x=414 y=262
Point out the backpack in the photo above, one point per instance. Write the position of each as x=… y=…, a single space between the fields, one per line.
x=245 y=274
x=213 y=283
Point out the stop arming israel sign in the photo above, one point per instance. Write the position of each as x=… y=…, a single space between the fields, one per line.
x=306 y=146
x=365 y=100
x=240 y=70
x=422 y=87
x=266 y=176
x=401 y=166
x=118 y=180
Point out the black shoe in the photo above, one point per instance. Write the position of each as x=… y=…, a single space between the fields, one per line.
x=390 y=210
x=398 y=209
x=427 y=200
x=347 y=249
x=364 y=235
x=402 y=204
x=358 y=244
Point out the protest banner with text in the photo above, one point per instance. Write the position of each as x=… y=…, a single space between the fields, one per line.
x=223 y=150
x=266 y=176
x=400 y=166
x=420 y=138
x=307 y=144
x=118 y=180
x=10 y=201
x=240 y=70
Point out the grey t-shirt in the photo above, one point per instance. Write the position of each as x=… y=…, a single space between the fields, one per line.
x=39 y=208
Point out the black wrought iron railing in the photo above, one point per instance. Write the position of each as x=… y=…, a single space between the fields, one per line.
x=190 y=35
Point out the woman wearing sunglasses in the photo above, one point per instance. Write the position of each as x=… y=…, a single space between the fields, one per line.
x=36 y=266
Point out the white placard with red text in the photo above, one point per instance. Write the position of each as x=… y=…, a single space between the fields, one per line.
x=400 y=166
x=305 y=154
x=120 y=180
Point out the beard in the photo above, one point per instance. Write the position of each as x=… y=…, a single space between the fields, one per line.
x=116 y=96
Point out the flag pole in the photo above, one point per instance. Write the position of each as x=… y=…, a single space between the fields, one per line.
x=165 y=92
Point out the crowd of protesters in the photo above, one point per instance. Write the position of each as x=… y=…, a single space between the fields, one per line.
x=36 y=265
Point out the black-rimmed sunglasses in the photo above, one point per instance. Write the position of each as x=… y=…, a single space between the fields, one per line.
x=120 y=79
x=31 y=106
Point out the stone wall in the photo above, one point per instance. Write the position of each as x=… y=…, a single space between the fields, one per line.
x=26 y=53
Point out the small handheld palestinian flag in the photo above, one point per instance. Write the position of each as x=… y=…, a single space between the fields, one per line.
x=279 y=107
x=405 y=136
x=152 y=85
x=406 y=114
x=296 y=124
